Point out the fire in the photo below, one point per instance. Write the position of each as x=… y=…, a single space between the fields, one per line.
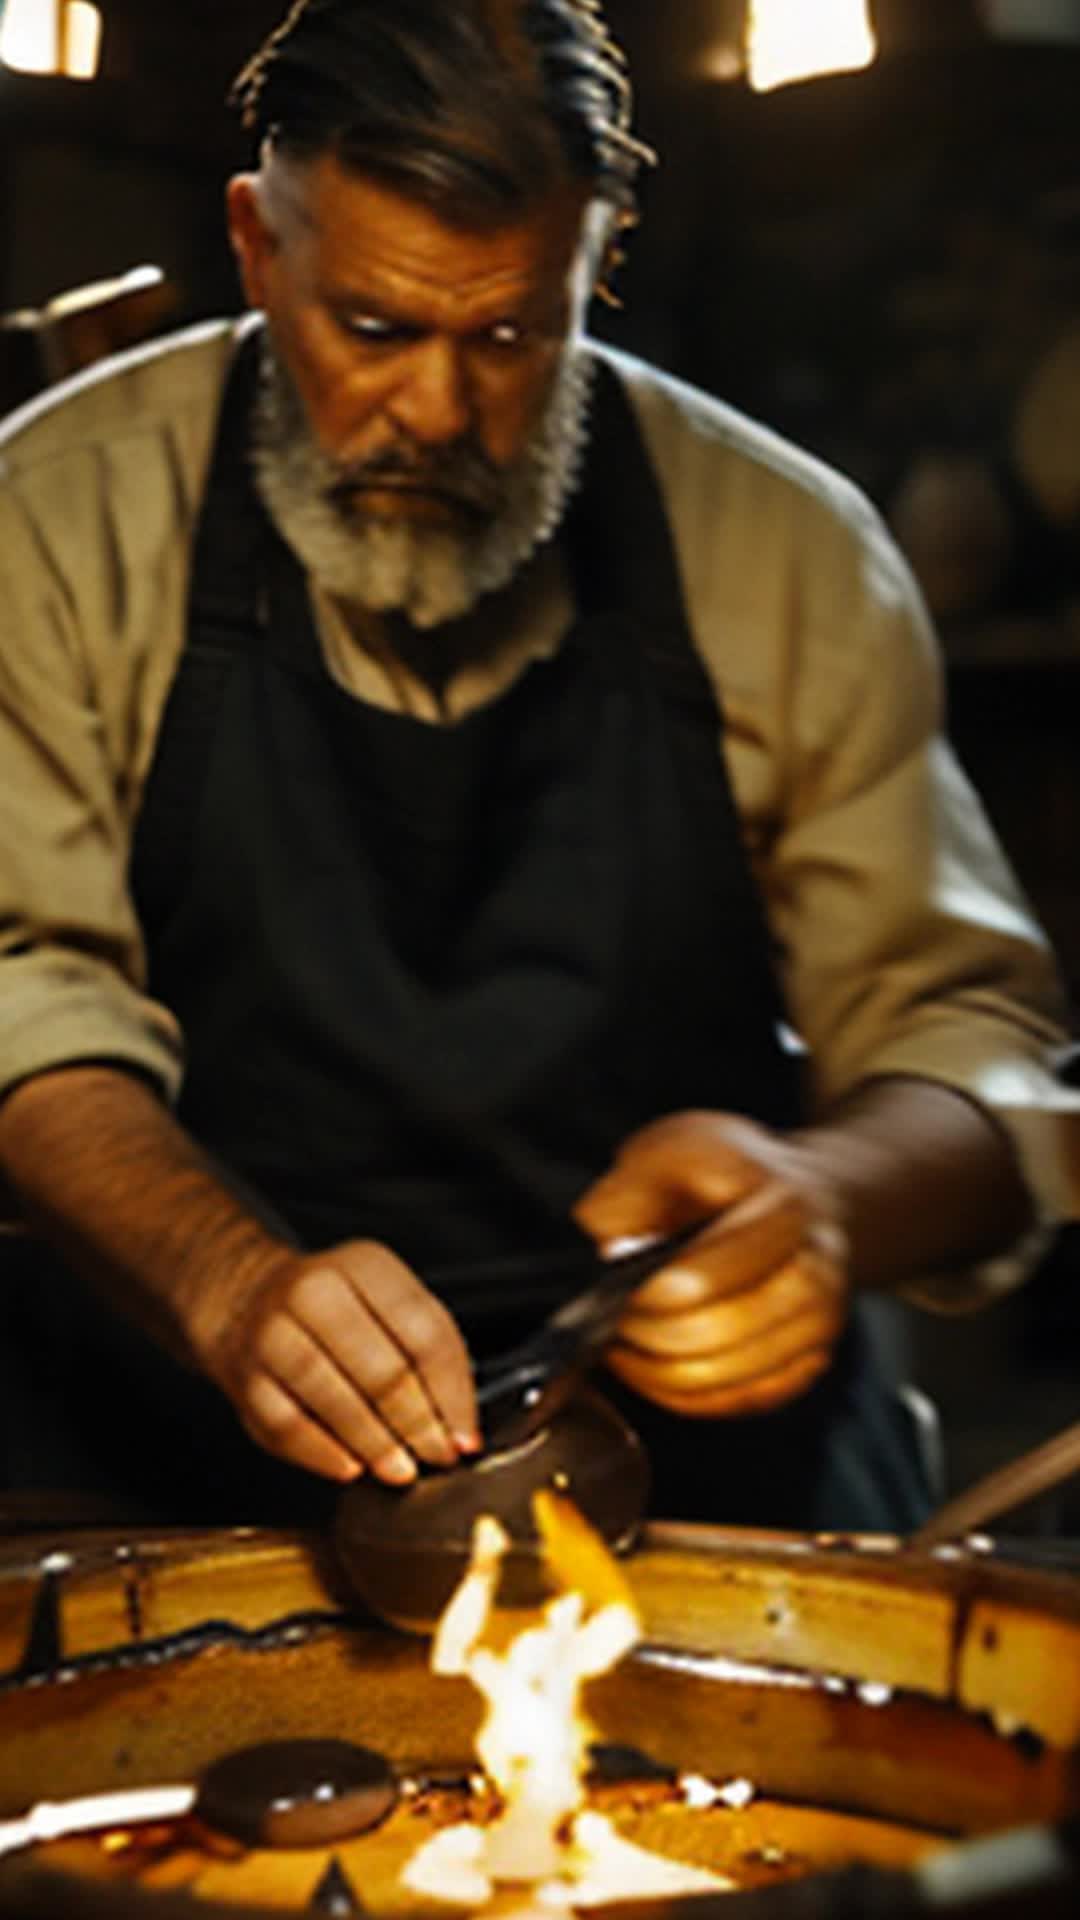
x=534 y=1740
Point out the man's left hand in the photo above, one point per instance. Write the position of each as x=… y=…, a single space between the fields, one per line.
x=748 y=1314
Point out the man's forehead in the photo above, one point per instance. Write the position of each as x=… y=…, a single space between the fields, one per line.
x=341 y=212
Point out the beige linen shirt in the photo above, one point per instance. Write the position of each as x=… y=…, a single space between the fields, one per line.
x=903 y=943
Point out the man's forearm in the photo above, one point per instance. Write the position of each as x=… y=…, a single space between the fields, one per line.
x=336 y=1361
x=101 y=1169
x=924 y=1179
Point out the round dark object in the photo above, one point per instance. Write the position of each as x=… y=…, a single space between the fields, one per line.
x=404 y=1550
x=296 y=1793
x=612 y=1765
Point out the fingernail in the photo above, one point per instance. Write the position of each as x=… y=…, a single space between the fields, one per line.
x=627 y=1243
x=469 y=1442
x=398 y=1467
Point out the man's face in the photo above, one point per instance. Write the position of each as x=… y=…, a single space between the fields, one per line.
x=423 y=354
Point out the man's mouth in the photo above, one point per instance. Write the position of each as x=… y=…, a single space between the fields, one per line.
x=408 y=497
x=460 y=485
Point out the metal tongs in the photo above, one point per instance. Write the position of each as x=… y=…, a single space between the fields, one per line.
x=519 y=1392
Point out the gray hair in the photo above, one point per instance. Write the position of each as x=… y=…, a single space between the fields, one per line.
x=476 y=107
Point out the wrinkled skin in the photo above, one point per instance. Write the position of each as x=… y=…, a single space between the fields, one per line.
x=402 y=333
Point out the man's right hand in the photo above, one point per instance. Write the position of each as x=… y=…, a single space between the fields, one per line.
x=340 y=1362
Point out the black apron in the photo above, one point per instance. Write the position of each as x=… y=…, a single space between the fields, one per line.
x=431 y=977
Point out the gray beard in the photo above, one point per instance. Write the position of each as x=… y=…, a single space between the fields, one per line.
x=430 y=574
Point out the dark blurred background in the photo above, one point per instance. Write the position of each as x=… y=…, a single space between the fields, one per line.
x=883 y=263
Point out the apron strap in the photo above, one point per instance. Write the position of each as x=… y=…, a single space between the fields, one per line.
x=627 y=560
x=224 y=610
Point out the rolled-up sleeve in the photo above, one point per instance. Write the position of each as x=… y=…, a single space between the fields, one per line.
x=903 y=941
x=906 y=944
x=72 y=971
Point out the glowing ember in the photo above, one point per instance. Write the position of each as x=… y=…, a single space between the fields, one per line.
x=533 y=1744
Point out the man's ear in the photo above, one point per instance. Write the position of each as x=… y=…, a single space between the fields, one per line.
x=251 y=238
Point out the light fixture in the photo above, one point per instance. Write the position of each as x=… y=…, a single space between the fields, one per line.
x=789 y=40
x=51 y=37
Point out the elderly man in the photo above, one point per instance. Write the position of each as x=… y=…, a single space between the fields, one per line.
x=463 y=788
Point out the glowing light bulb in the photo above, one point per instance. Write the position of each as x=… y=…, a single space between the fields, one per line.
x=30 y=36
x=791 y=40
x=82 y=40
x=51 y=36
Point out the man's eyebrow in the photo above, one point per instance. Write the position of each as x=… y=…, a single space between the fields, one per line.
x=531 y=304
x=361 y=300
x=381 y=301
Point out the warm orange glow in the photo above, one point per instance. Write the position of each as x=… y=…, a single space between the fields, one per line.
x=51 y=37
x=82 y=40
x=534 y=1741
x=791 y=40
x=723 y=62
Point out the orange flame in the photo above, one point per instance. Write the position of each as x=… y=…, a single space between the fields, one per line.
x=534 y=1740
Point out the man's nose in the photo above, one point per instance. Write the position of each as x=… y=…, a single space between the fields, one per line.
x=430 y=401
